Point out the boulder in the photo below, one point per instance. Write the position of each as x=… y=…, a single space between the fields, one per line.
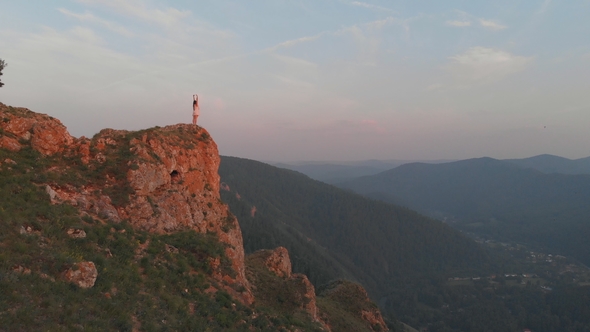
x=82 y=274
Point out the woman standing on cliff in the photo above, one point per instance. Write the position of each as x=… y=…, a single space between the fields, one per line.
x=195 y=108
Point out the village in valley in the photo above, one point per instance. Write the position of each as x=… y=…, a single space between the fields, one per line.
x=537 y=269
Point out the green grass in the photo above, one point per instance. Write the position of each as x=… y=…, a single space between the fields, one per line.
x=140 y=283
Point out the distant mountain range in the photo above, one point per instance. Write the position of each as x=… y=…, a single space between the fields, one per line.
x=547 y=163
x=334 y=172
x=495 y=198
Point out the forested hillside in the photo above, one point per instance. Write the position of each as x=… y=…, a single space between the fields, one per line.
x=419 y=270
x=349 y=225
x=494 y=198
x=333 y=234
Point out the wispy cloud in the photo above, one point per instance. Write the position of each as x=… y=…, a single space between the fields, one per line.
x=89 y=17
x=483 y=64
x=371 y=6
x=492 y=25
x=293 y=42
x=354 y=30
x=465 y=19
x=173 y=38
x=459 y=24
x=295 y=61
x=136 y=8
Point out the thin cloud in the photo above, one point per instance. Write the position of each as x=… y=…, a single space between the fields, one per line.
x=295 y=61
x=379 y=23
x=492 y=25
x=371 y=6
x=293 y=42
x=354 y=29
x=459 y=24
x=89 y=17
x=87 y=36
x=485 y=64
x=168 y=17
x=173 y=38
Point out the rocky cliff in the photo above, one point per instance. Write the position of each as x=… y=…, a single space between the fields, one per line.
x=159 y=181
x=162 y=180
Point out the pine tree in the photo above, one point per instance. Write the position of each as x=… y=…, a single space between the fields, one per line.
x=2 y=66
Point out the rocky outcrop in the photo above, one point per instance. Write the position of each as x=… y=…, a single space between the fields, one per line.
x=161 y=180
x=46 y=134
x=375 y=320
x=175 y=186
x=277 y=261
x=82 y=274
x=9 y=143
x=307 y=295
x=355 y=304
x=295 y=290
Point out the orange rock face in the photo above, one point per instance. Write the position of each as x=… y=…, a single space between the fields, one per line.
x=50 y=137
x=277 y=261
x=161 y=180
x=47 y=135
x=82 y=274
x=176 y=187
x=9 y=143
x=308 y=297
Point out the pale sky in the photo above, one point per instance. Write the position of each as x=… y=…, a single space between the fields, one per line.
x=312 y=79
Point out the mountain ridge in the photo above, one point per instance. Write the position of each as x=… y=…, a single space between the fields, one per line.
x=547 y=163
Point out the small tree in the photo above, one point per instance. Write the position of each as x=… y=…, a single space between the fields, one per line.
x=2 y=66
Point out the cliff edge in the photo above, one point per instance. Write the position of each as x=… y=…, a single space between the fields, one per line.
x=161 y=180
x=138 y=210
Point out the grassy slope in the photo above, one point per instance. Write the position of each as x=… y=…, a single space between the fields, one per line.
x=140 y=283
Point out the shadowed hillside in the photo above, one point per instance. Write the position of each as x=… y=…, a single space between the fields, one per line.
x=348 y=224
x=494 y=198
x=418 y=269
x=390 y=250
